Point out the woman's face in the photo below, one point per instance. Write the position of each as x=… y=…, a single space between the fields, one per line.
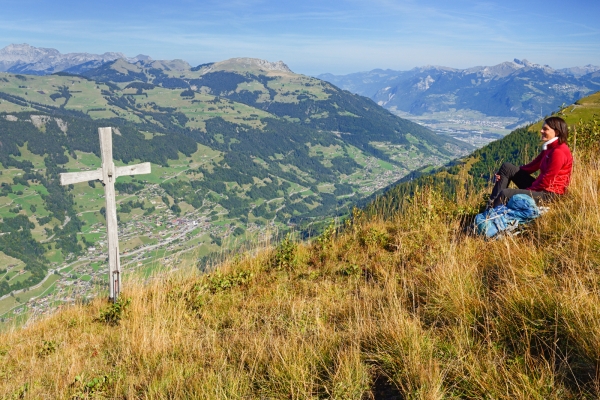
x=547 y=133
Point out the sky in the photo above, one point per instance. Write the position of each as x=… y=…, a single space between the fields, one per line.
x=316 y=36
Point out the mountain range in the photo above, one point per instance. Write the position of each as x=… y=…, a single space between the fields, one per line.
x=516 y=88
x=26 y=59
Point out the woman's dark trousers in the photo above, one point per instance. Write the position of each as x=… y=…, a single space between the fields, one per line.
x=511 y=173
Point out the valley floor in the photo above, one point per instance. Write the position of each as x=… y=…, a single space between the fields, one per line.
x=472 y=127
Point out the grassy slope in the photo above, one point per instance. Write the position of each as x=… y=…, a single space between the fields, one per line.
x=409 y=307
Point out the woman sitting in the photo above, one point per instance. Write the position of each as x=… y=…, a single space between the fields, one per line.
x=554 y=162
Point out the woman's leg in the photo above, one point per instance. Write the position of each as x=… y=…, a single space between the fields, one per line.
x=510 y=173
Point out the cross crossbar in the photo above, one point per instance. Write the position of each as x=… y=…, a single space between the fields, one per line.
x=107 y=174
x=68 y=178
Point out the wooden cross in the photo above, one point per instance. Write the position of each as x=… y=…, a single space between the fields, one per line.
x=107 y=174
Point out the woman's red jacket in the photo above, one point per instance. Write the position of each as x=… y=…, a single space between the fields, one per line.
x=555 y=164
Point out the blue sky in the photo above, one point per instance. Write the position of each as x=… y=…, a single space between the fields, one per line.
x=314 y=37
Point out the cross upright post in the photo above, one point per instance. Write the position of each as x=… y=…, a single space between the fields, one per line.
x=107 y=174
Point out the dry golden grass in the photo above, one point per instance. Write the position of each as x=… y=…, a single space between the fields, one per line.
x=409 y=308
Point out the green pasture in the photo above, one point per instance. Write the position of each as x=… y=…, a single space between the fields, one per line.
x=584 y=109
x=86 y=95
x=385 y=165
x=88 y=199
x=8 y=107
x=10 y=263
x=347 y=114
x=84 y=160
x=55 y=256
x=91 y=218
x=8 y=174
x=150 y=135
x=202 y=107
x=39 y=88
x=326 y=188
x=41 y=189
x=17 y=277
x=253 y=86
x=592 y=101
x=147 y=240
x=6 y=205
x=326 y=151
x=66 y=270
x=288 y=87
x=96 y=266
x=130 y=244
x=94 y=237
x=35 y=159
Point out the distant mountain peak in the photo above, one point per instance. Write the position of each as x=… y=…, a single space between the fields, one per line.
x=250 y=64
x=526 y=63
x=580 y=71
x=168 y=65
x=516 y=89
x=23 y=58
x=142 y=57
x=25 y=53
x=434 y=67
x=267 y=65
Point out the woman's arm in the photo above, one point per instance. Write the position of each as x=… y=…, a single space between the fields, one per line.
x=535 y=164
x=550 y=179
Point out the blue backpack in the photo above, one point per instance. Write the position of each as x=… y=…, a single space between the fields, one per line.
x=520 y=209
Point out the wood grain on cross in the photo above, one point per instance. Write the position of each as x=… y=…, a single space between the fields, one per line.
x=107 y=174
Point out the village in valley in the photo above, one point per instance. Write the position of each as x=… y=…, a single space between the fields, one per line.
x=168 y=240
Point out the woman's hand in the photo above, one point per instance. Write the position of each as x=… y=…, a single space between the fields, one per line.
x=496 y=177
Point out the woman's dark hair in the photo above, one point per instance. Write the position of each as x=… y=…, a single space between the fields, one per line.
x=560 y=127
